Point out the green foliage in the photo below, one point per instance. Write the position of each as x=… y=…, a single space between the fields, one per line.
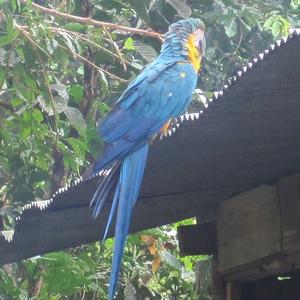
x=57 y=78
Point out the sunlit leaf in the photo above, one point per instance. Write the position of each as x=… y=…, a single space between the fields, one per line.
x=170 y=259
x=37 y=115
x=128 y=45
x=230 y=27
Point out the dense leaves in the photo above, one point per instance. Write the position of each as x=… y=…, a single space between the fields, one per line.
x=58 y=76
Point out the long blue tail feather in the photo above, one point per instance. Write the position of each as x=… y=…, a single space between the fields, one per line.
x=112 y=210
x=132 y=170
x=105 y=187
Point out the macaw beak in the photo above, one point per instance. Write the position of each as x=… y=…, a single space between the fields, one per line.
x=202 y=46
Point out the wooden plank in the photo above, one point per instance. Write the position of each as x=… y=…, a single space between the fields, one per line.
x=197 y=239
x=248 y=228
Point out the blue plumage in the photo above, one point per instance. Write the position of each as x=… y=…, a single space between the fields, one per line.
x=161 y=92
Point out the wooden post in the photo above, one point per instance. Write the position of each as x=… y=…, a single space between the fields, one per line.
x=218 y=283
x=233 y=290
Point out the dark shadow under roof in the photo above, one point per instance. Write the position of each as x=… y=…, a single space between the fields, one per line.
x=248 y=135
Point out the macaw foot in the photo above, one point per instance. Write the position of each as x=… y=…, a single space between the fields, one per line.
x=162 y=131
x=165 y=128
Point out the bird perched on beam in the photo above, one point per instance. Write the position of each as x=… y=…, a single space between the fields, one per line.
x=145 y=109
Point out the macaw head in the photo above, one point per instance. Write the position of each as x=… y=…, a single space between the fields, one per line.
x=185 y=39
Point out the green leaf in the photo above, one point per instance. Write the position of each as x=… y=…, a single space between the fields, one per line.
x=76 y=92
x=147 y=52
x=27 y=117
x=69 y=41
x=63 y=274
x=60 y=97
x=25 y=131
x=30 y=56
x=16 y=102
x=60 y=104
x=268 y=23
x=140 y=8
x=76 y=27
x=171 y=259
x=8 y=38
x=61 y=89
x=76 y=119
x=8 y=289
x=37 y=115
x=78 y=146
x=230 y=27
x=275 y=28
x=156 y=5
x=2 y=76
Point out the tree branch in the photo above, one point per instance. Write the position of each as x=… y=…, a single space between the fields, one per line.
x=91 y=64
x=83 y=38
x=96 y=23
x=113 y=43
x=83 y=59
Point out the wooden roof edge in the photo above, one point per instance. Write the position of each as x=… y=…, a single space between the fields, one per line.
x=7 y=236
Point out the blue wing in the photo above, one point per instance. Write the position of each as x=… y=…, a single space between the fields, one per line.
x=158 y=94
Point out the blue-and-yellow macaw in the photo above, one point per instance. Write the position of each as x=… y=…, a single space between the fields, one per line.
x=161 y=92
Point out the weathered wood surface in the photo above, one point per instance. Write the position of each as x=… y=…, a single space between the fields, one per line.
x=247 y=137
x=289 y=196
x=248 y=228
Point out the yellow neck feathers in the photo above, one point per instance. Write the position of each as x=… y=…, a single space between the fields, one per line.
x=193 y=53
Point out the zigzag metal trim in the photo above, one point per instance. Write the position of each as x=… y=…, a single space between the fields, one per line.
x=183 y=119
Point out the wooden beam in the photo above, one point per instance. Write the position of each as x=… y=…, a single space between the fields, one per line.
x=200 y=239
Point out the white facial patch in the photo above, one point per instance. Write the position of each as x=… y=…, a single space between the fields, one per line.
x=199 y=34
x=199 y=38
